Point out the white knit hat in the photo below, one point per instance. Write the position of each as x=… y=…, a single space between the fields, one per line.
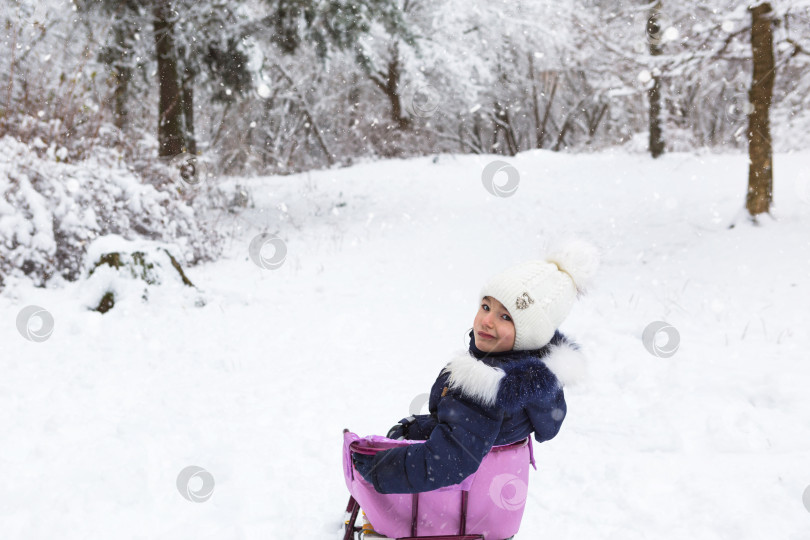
x=539 y=294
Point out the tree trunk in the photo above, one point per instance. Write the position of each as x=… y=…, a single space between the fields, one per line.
x=654 y=35
x=503 y=124
x=538 y=137
x=354 y=100
x=541 y=135
x=760 y=153
x=188 y=110
x=561 y=137
x=594 y=120
x=170 y=110
x=392 y=91
x=122 y=73
x=388 y=82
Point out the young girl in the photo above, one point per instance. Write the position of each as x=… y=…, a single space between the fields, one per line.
x=507 y=386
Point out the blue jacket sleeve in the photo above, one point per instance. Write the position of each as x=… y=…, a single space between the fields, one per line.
x=547 y=415
x=464 y=434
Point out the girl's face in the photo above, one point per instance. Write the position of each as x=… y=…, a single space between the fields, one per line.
x=493 y=327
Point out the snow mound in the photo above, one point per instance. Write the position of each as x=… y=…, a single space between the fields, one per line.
x=122 y=271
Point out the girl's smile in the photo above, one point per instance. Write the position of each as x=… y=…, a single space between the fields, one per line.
x=493 y=327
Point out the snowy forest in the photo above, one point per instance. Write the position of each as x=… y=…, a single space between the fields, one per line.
x=278 y=87
x=228 y=226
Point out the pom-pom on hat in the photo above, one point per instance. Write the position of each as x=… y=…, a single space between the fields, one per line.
x=539 y=294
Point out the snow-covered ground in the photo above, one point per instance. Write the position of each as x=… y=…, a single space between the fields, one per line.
x=378 y=289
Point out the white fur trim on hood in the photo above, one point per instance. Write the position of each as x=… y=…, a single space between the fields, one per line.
x=481 y=382
x=567 y=363
x=474 y=378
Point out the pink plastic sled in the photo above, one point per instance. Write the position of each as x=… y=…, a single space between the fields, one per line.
x=487 y=505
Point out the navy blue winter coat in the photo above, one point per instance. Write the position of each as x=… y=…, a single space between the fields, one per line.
x=479 y=400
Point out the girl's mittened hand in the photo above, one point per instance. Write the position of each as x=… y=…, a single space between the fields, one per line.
x=396 y=432
x=400 y=431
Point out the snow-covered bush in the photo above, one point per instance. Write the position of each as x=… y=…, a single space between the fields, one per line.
x=50 y=210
